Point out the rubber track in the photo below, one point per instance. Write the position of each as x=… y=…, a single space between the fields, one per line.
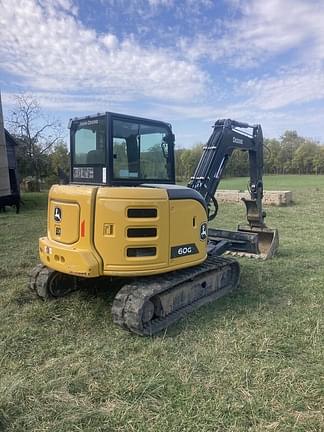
x=129 y=301
x=39 y=278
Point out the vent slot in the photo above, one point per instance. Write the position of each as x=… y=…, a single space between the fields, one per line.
x=142 y=213
x=141 y=232
x=141 y=252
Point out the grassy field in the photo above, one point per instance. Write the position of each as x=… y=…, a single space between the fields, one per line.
x=250 y=362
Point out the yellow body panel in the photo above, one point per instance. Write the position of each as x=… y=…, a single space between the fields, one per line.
x=112 y=206
x=99 y=235
x=186 y=217
x=79 y=258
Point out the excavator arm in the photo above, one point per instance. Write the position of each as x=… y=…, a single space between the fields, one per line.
x=228 y=135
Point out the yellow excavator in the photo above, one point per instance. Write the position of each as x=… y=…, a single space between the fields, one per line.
x=123 y=218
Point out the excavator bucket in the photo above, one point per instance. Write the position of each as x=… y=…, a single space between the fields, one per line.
x=267 y=238
x=267 y=241
x=254 y=240
x=251 y=242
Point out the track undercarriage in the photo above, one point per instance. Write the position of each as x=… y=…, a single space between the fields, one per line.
x=147 y=305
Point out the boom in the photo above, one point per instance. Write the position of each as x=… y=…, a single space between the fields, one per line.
x=227 y=136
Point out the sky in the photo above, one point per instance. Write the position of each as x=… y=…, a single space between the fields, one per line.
x=187 y=62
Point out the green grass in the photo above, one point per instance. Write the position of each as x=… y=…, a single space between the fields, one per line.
x=253 y=361
x=281 y=182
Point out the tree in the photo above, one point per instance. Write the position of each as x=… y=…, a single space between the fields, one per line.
x=59 y=161
x=60 y=158
x=319 y=161
x=303 y=160
x=179 y=166
x=36 y=136
x=272 y=151
x=238 y=164
x=290 y=141
x=189 y=159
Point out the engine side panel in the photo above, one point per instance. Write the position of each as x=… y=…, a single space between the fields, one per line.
x=140 y=231
x=132 y=230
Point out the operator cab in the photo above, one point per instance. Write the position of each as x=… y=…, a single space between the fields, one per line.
x=115 y=149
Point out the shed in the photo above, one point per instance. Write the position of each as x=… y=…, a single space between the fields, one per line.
x=11 y=144
x=9 y=180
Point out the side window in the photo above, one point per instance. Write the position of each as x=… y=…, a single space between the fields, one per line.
x=153 y=156
x=85 y=142
x=140 y=151
x=120 y=157
x=90 y=143
x=126 y=149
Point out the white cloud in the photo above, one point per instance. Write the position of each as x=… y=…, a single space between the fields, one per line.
x=69 y=66
x=50 y=50
x=261 y=30
x=289 y=87
x=110 y=41
x=74 y=103
x=156 y=3
x=286 y=33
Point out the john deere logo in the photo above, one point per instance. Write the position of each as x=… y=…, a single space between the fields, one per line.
x=203 y=231
x=57 y=214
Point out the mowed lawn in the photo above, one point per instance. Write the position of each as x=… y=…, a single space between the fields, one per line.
x=252 y=361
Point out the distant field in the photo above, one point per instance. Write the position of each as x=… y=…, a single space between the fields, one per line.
x=250 y=362
x=280 y=182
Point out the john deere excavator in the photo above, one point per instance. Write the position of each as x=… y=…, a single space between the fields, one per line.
x=122 y=216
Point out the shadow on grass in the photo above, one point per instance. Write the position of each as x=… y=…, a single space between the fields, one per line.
x=3 y=421
x=103 y=288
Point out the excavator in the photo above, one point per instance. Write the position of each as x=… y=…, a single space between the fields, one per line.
x=123 y=218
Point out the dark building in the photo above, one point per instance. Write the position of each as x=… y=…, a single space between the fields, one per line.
x=14 y=197
x=11 y=144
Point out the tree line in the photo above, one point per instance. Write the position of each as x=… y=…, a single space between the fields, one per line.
x=290 y=154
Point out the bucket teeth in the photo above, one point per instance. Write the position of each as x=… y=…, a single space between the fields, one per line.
x=247 y=241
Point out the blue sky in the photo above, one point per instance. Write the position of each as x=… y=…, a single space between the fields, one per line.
x=188 y=62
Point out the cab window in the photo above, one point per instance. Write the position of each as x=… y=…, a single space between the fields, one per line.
x=140 y=151
x=90 y=142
